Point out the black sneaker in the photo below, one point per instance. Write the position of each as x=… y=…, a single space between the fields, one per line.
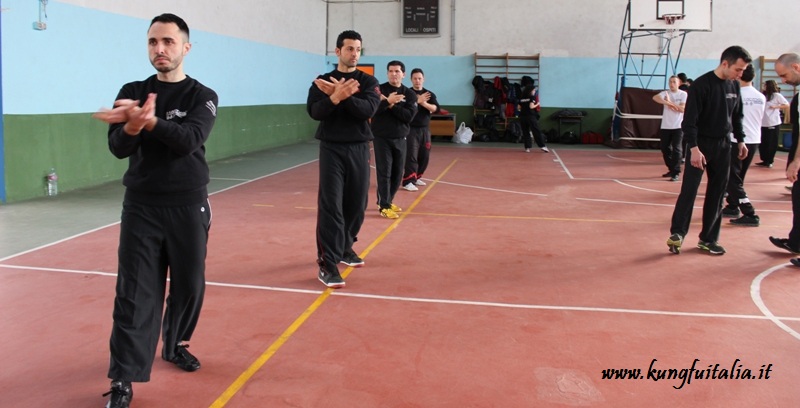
x=121 y=394
x=783 y=243
x=674 y=243
x=747 y=221
x=351 y=259
x=713 y=248
x=667 y=174
x=764 y=164
x=330 y=279
x=795 y=261
x=730 y=212
x=184 y=359
x=674 y=177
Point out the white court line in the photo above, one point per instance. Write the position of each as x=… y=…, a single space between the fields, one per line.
x=755 y=294
x=563 y=166
x=664 y=205
x=491 y=189
x=628 y=160
x=767 y=314
x=115 y=223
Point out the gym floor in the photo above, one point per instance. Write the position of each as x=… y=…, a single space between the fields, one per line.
x=511 y=280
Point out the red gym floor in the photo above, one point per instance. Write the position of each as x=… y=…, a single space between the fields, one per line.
x=510 y=280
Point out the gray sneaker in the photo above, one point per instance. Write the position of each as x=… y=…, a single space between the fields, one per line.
x=713 y=248
x=747 y=221
x=329 y=278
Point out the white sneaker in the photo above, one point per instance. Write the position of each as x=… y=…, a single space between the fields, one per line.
x=410 y=187
x=527 y=150
x=420 y=183
x=545 y=149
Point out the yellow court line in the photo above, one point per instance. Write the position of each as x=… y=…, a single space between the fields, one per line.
x=244 y=377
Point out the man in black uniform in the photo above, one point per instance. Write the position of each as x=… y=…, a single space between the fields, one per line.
x=713 y=111
x=787 y=67
x=418 y=142
x=342 y=100
x=165 y=214
x=390 y=126
x=529 y=115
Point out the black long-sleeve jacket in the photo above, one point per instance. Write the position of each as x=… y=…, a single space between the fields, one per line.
x=713 y=110
x=346 y=122
x=393 y=123
x=167 y=165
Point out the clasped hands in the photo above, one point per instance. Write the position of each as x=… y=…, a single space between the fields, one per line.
x=129 y=112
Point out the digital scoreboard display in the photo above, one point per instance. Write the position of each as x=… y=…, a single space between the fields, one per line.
x=420 y=18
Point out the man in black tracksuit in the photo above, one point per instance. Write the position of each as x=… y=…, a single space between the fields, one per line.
x=713 y=111
x=418 y=142
x=342 y=100
x=787 y=67
x=165 y=213
x=390 y=126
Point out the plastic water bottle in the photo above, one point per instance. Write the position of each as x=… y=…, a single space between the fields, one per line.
x=52 y=183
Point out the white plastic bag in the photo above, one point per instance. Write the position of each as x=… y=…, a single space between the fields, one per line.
x=463 y=134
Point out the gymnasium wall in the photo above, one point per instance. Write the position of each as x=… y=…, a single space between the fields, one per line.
x=54 y=79
x=260 y=55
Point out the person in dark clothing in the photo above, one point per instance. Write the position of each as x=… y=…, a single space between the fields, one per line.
x=787 y=66
x=390 y=125
x=737 y=201
x=160 y=125
x=418 y=142
x=529 y=116
x=713 y=111
x=343 y=101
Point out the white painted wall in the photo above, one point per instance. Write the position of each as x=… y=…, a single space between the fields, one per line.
x=564 y=28
x=293 y=24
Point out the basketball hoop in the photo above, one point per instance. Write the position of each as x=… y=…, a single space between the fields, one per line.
x=670 y=19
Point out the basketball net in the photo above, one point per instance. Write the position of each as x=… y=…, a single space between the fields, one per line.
x=670 y=19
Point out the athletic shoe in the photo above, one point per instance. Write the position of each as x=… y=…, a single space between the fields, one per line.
x=184 y=359
x=545 y=149
x=388 y=213
x=351 y=259
x=121 y=394
x=730 y=212
x=764 y=164
x=788 y=188
x=674 y=178
x=713 y=248
x=410 y=187
x=747 y=221
x=527 y=150
x=795 y=261
x=395 y=208
x=783 y=243
x=419 y=182
x=330 y=279
x=674 y=243
x=667 y=174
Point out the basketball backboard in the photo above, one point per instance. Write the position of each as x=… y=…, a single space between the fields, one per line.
x=648 y=15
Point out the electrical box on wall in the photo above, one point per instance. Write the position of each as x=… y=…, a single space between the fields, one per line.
x=39 y=25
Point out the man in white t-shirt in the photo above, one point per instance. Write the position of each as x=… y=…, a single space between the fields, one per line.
x=674 y=101
x=753 y=103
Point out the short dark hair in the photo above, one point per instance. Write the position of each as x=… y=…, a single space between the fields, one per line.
x=682 y=76
x=749 y=73
x=417 y=71
x=395 y=63
x=734 y=53
x=347 y=35
x=172 y=18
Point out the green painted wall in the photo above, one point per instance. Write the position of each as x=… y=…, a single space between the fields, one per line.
x=76 y=145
